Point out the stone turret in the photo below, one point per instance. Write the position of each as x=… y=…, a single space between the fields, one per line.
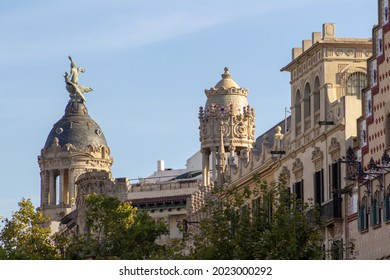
x=227 y=118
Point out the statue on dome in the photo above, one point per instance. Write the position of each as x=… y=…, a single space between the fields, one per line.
x=72 y=83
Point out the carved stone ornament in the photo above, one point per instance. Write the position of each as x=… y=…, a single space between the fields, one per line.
x=317 y=154
x=297 y=168
x=334 y=149
x=317 y=158
x=297 y=165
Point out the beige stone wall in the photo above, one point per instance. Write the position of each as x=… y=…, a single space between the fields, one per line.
x=319 y=74
x=173 y=217
x=371 y=244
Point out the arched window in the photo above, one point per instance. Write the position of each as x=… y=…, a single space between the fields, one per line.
x=356 y=82
x=375 y=213
x=317 y=101
x=363 y=214
x=386 y=205
x=297 y=110
x=306 y=101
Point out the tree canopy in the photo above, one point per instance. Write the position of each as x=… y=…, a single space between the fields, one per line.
x=117 y=231
x=24 y=237
x=266 y=222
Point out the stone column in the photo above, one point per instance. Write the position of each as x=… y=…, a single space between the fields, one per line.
x=72 y=198
x=44 y=186
x=213 y=163
x=232 y=164
x=61 y=188
x=205 y=167
x=52 y=188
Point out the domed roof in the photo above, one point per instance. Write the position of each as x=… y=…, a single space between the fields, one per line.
x=226 y=93
x=76 y=127
x=227 y=81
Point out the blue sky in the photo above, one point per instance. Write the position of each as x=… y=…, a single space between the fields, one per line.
x=148 y=62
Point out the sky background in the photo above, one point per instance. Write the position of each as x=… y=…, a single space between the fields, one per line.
x=148 y=62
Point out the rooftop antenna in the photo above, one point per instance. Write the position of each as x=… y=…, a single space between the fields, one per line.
x=285 y=119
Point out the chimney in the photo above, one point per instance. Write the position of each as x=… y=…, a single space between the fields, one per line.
x=160 y=165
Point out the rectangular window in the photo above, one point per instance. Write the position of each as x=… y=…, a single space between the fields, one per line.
x=386 y=208
x=362 y=219
x=318 y=182
x=374 y=213
x=334 y=179
x=298 y=190
x=337 y=250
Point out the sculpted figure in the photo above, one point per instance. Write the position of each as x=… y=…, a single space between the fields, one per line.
x=72 y=82
x=278 y=139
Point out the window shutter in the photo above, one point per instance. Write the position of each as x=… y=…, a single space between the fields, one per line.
x=315 y=189
x=338 y=175
x=365 y=218
x=360 y=228
x=372 y=214
x=386 y=209
x=322 y=187
x=330 y=185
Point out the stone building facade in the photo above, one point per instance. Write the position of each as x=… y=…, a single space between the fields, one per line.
x=332 y=150
x=369 y=212
x=327 y=76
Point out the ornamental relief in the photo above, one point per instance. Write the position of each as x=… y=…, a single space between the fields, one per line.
x=205 y=132
x=334 y=149
x=317 y=155
x=240 y=130
x=297 y=166
x=226 y=131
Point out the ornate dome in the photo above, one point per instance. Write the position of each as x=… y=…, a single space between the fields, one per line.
x=225 y=94
x=227 y=81
x=77 y=128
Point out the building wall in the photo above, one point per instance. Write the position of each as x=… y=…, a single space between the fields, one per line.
x=372 y=239
x=319 y=77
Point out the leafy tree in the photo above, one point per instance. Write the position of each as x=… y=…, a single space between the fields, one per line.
x=118 y=231
x=264 y=223
x=24 y=237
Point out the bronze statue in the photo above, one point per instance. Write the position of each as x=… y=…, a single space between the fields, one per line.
x=72 y=83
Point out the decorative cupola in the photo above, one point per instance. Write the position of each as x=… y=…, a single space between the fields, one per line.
x=228 y=119
x=74 y=146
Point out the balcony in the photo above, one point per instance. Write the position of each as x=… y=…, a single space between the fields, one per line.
x=331 y=211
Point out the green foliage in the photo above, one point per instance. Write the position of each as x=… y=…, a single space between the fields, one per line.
x=264 y=223
x=118 y=231
x=24 y=237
